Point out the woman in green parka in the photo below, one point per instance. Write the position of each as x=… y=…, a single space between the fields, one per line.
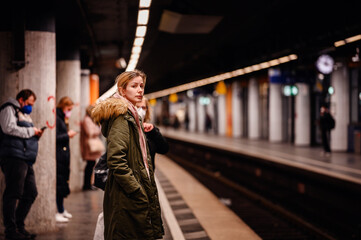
x=131 y=205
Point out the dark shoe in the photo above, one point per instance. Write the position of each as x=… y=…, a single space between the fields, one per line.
x=26 y=233
x=15 y=236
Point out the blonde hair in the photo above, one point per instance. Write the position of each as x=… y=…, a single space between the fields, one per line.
x=147 y=113
x=124 y=78
x=65 y=102
x=89 y=109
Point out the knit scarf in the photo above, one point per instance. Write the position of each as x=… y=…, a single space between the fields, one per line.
x=142 y=142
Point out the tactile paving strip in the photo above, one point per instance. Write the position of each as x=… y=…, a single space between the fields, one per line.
x=189 y=224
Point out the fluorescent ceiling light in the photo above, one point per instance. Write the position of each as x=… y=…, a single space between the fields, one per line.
x=143 y=16
x=347 y=40
x=293 y=57
x=264 y=65
x=247 y=69
x=353 y=39
x=141 y=30
x=339 y=43
x=134 y=57
x=144 y=3
x=108 y=93
x=136 y=49
x=220 y=77
x=133 y=62
x=284 y=59
x=274 y=62
x=138 y=41
x=256 y=67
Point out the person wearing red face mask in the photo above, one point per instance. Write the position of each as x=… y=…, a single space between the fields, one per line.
x=63 y=113
x=18 y=151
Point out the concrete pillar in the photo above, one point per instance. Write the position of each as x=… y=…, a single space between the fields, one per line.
x=236 y=110
x=201 y=115
x=39 y=75
x=68 y=84
x=192 y=115
x=340 y=107
x=253 y=110
x=85 y=91
x=221 y=114
x=302 y=116
x=275 y=112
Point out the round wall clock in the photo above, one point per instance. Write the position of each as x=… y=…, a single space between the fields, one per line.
x=325 y=63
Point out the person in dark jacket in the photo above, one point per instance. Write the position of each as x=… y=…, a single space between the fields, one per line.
x=63 y=112
x=18 y=151
x=326 y=124
x=156 y=142
x=131 y=206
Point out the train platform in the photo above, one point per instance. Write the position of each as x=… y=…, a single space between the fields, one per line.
x=189 y=210
x=340 y=165
x=319 y=193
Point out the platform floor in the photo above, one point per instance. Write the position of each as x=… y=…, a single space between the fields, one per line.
x=342 y=165
x=189 y=210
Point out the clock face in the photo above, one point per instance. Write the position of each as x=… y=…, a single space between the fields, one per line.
x=325 y=64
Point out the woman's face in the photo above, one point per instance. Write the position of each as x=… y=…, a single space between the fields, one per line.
x=134 y=90
x=68 y=108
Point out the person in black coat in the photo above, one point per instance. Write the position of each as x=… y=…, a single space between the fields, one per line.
x=327 y=123
x=63 y=135
x=156 y=142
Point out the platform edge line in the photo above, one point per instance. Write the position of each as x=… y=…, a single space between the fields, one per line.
x=168 y=213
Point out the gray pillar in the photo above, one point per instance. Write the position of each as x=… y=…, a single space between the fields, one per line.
x=236 y=110
x=201 y=115
x=85 y=91
x=302 y=116
x=192 y=115
x=221 y=114
x=68 y=84
x=340 y=107
x=38 y=74
x=253 y=110
x=275 y=112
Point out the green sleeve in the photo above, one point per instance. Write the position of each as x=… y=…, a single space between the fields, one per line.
x=117 y=148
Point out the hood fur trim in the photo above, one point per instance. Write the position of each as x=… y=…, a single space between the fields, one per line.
x=111 y=107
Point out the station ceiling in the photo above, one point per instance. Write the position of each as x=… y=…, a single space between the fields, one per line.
x=211 y=37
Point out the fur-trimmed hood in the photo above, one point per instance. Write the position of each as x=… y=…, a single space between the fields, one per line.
x=111 y=107
x=107 y=109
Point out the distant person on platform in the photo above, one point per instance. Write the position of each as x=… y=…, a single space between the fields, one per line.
x=91 y=146
x=156 y=142
x=327 y=123
x=63 y=135
x=18 y=151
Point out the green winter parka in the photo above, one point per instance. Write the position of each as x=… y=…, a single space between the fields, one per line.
x=131 y=206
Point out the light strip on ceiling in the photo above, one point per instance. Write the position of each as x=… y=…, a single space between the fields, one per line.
x=144 y=3
x=143 y=17
x=347 y=40
x=221 y=77
x=138 y=41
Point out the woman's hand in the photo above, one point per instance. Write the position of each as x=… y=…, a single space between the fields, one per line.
x=72 y=133
x=148 y=127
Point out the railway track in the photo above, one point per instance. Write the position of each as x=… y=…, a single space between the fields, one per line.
x=269 y=201
x=266 y=220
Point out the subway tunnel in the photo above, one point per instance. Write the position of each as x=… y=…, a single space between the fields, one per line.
x=235 y=87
